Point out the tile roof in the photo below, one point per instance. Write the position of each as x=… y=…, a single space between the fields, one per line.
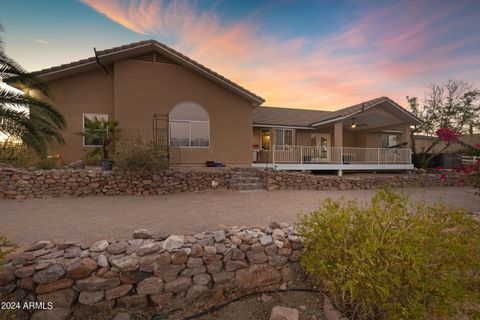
x=286 y=116
x=153 y=43
x=308 y=118
x=345 y=112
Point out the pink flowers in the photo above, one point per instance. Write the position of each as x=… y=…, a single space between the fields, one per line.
x=448 y=135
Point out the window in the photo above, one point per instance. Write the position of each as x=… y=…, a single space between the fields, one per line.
x=283 y=137
x=266 y=139
x=91 y=139
x=189 y=126
x=388 y=140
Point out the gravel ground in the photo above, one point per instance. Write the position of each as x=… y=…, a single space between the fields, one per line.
x=93 y=218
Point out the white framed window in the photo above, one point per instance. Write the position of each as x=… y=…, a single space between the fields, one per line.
x=189 y=126
x=388 y=140
x=91 y=139
x=284 y=137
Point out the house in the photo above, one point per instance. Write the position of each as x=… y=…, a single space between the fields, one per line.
x=158 y=93
x=373 y=135
x=423 y=142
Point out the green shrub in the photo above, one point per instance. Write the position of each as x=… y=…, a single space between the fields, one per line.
x=392 y=260
x=93 y=157
x=15 y=154
x=48 y=163
x=139 y=156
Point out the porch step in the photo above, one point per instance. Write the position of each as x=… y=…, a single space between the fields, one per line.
x=245 y=180
x=249 y=186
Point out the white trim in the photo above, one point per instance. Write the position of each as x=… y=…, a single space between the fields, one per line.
x=83 y=129
x=283 y=137
x=343 y=167
x=189 y=127
x=338 y=118
x=280 y=126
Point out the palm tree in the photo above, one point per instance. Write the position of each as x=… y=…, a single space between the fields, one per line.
x=23 y=117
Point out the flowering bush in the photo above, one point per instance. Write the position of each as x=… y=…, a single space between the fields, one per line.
x=448 y=135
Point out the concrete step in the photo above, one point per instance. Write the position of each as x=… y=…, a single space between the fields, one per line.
x=237 y=175
x=249 y=186
x=247 y=179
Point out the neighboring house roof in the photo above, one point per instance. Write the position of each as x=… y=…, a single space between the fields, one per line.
x=288 y=117
x=313 y=118
x=133 y=49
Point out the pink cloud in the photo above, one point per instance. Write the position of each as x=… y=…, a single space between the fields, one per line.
x=390 y=52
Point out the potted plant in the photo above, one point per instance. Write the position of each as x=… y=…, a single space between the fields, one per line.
x=103 y=131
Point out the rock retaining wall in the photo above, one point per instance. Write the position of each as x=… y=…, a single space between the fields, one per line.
x=23 y=183
x=83 y=279
x=304 y=181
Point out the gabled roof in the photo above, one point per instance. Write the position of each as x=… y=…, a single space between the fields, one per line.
x=286 y=116
x=306 y=118
x=126 y=51
x=352 y=110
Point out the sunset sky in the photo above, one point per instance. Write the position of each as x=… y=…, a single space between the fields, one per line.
x=307 y=54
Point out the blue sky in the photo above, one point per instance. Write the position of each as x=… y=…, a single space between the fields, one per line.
x=313 y=54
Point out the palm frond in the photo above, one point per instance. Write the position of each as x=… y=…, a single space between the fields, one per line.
x=30 y=120
x=13 y=73
x=34 y=105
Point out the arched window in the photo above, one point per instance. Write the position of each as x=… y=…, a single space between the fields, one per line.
x=189 y=126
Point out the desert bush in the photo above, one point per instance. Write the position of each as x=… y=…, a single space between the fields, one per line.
x=139 y=156
x=15 y=154
x=48 y=163
x=93 y=157
x=394 y=260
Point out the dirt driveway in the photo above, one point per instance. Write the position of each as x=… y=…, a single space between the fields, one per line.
x=94 y=218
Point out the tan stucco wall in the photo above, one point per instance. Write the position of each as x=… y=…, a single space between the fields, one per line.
x=142 y=88
x=90 y=92
x=135 y=90
x=304 y=137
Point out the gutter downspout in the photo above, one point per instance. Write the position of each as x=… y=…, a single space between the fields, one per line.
x=98 y=60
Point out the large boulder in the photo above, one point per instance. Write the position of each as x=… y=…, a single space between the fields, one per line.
x=257 y=275
x=284 y=313
x=78 y=164
x=81 y=269
x=49 y=274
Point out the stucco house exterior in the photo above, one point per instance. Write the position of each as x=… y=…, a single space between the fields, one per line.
x=158 y=93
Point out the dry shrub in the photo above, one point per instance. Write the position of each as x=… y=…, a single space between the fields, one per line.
x=393 y=260
x=143 y=157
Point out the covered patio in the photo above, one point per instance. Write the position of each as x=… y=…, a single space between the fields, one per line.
x=370 y=136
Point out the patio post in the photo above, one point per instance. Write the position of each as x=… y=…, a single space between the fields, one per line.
x=273 y=155
x=338 y=134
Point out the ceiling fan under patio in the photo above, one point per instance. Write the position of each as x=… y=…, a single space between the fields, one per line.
x=357 y=125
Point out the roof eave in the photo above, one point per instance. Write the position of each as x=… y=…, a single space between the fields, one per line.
x=338 y=118
x=176 y=56
x=266 y=125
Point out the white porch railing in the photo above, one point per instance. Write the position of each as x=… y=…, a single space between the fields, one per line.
x=340 y=155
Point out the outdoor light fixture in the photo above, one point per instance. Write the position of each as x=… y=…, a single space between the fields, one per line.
x=354 y=124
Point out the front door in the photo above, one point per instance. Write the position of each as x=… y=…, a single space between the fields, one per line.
x=323 y=143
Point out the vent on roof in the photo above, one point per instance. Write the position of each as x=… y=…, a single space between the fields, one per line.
x=154 y=57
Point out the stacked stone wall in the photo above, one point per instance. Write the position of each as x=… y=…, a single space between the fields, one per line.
x=81 y=280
